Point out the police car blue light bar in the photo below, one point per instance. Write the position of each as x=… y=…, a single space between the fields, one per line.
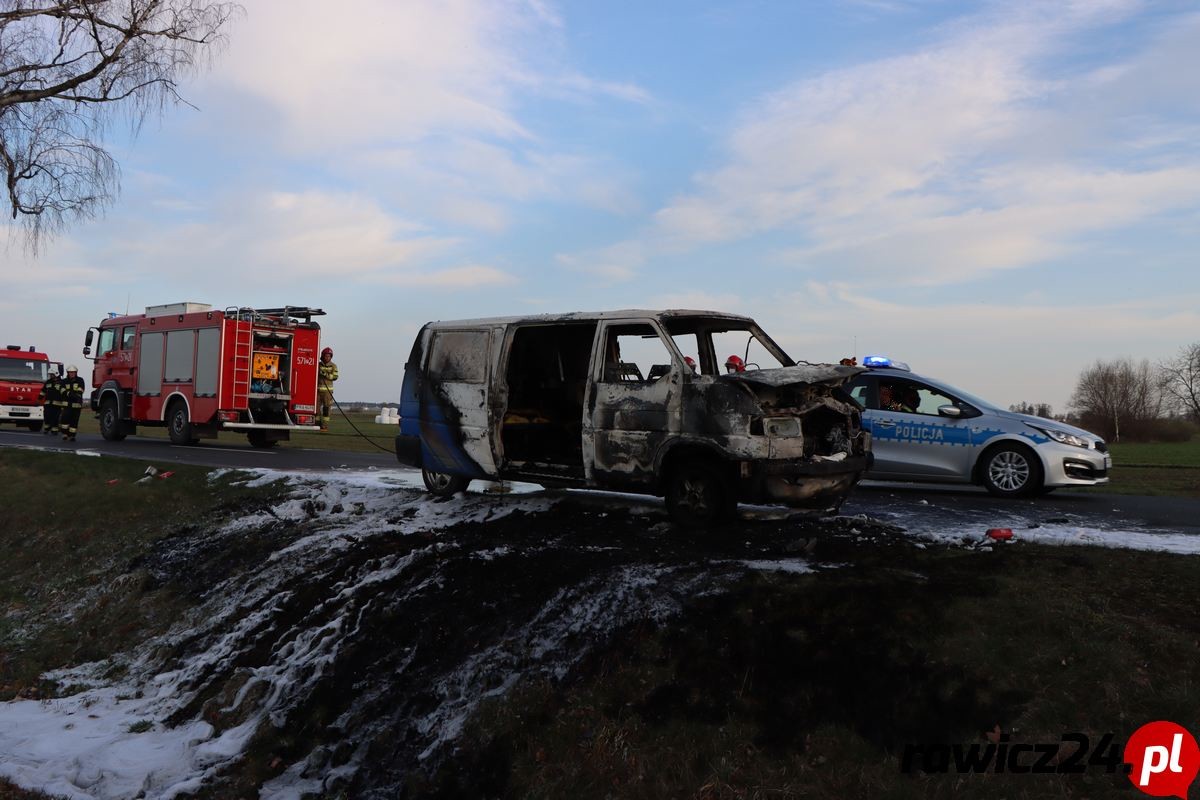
x=883 y=362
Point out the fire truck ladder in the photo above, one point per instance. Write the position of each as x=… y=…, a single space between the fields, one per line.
x=287 y=315
x=243 y=345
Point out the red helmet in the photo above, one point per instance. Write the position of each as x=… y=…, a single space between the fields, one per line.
x=327 y=350
x=735 y=364
x=691 y=362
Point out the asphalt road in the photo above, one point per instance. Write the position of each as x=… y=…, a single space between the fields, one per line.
x=230 y=452
x=907 y=505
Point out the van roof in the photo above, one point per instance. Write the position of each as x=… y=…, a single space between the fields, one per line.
x=588 y=316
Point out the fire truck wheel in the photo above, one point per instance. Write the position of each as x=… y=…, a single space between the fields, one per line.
x=35 y=426
x=110 y=423
x=259 y=439
x=179 y=428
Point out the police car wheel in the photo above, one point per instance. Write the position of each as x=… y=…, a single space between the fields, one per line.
x=698 y=494
x=443 y=485
x=1012 y=471
x=110 y=423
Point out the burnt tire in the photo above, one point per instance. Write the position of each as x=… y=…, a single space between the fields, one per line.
x=1011 y=470
x=110 y=421
x=260 y=439
x=441 y=484
x=699 y=495
x=179 y=427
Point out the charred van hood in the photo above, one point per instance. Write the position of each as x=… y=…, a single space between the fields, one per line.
x=801 y=375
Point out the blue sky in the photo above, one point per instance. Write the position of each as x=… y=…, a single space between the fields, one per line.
x=998 y=193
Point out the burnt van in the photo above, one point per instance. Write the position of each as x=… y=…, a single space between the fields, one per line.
x=631 y=401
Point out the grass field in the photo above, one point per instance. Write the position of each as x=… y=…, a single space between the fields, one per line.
x=786 y=686
x=814 y=686
x=1165 y=454
x=72 y=523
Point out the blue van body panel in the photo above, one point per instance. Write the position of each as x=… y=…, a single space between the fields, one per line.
x=430 y=435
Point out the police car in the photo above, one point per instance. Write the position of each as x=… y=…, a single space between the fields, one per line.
x=926 y=430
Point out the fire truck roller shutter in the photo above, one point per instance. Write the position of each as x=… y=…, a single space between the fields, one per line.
x=150 y=365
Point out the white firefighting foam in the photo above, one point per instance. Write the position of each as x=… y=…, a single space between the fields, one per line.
x=143 y=735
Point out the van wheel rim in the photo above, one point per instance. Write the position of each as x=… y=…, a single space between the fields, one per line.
x=695 y=495
x=440 y=480
x=1009 y=471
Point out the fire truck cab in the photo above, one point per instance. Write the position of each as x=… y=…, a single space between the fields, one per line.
x=196 y=371
x=22 y=373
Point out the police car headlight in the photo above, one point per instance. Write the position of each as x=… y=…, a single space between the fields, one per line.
x=781 y=426
x=1062 y=437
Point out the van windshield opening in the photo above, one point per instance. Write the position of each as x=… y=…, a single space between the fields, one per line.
x=715 y=342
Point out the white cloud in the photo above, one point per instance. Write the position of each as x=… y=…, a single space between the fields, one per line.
x=274 y=238
x=613 y=264
x=379 y=70
x=419 y=100
x=466 y=277
x=962 y=158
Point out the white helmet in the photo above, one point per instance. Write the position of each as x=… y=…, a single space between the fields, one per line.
x=72 y=368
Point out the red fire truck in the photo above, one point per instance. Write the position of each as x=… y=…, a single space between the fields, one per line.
x=22 y=373
x=196 y=371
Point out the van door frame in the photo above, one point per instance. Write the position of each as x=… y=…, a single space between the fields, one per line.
x=627 y=457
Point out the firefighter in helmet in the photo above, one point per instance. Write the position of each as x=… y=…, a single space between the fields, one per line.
x=326 y=374
x=735 y=364
x=72 y=394
x=51 y=393
x=60 y=405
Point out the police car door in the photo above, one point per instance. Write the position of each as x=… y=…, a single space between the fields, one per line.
x=911 y=439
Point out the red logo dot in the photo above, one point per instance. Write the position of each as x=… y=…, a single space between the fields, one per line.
x=1164 y=759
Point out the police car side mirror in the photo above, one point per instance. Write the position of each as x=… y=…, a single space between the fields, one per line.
x=950 y=411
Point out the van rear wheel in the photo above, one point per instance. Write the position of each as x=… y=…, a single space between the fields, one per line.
x=699 y=495
x=442 y=484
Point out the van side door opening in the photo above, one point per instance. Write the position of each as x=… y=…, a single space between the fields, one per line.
x=541 y=423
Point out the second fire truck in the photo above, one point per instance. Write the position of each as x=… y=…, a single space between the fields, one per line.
x=22 y=374
x=197 y=371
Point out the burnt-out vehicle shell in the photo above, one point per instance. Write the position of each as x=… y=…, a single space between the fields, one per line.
x=536 y=399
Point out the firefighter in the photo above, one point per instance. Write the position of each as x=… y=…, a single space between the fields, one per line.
x=51 y=393
x=735 y=364
x=326 y=374
x=72 y=394
x=60 y=404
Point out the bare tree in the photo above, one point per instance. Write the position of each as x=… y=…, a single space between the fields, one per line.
x=1182 y=375
x=1112 y=396
x=1033 y=409
x=66 y=67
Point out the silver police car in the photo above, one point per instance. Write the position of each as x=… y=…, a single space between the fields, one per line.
x=926 y=430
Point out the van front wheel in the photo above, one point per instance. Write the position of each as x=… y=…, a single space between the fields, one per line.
x=443 y=485
x=698 y=495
